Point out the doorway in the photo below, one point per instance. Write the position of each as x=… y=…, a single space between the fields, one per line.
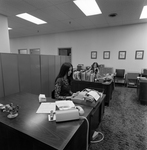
x=65 y=52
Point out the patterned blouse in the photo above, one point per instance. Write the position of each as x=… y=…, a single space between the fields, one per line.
x=62 y=89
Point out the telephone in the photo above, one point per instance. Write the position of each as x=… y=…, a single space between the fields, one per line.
x=70 y=114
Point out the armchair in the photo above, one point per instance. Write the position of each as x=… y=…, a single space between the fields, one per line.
x=144 y=73
x=131 y=79
x=119 y=76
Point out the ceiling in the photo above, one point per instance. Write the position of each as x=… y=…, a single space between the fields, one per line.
x=65 y=16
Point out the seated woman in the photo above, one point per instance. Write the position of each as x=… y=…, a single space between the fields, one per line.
x=95 y=69
x=63 y=82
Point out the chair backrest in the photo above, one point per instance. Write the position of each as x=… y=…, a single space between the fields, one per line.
x=53 y=94
x=120 y=72
x=145 y=71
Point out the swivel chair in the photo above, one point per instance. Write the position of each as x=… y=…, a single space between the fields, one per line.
x=53 y=94
x=120 y=76
x=144 y=73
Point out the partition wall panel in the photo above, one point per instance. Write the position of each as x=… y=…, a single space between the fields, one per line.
x=62 y=59
x=44 y=75
x=51 y=73
x=29 y=73
x=57 y=64
x=1 y=80
x=10 y=73
x=35 y=74
x=68 y=59
x=24 y=69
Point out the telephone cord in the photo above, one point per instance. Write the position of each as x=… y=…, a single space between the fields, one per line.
x=82 y=117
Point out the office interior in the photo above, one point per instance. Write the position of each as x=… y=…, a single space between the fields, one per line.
x=129 y=37
x=117 y=35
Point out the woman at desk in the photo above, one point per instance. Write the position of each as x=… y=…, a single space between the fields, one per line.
x=63 y=82
x=95 y=70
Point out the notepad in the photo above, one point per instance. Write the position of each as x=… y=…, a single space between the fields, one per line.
x=46 y=108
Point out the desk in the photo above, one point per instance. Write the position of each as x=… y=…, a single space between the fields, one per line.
x=141 y=90
x=107 y=86
x=33 y=131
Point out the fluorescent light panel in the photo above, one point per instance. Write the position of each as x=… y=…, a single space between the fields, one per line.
x=31 y=18
x=144 y=13
x=88 y=7
x=9 y=28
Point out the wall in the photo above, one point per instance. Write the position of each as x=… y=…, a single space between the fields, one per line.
x=114 y=39
x=4 y=36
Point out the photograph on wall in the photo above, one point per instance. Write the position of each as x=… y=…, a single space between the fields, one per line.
x=35 y=51
x=22 y=51
x=106 y=55
x=93 y=54
x=139 y=54
x=122 y=55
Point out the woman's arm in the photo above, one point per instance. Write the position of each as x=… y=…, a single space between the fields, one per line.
x=58 y=91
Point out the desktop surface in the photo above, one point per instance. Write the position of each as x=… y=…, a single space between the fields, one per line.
x=36 y=126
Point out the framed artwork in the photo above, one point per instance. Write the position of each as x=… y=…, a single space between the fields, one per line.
x=22 y=51
x=35 y=51
x=139 y=54
x=106 y=55
x=93 y=54
x=122 y=55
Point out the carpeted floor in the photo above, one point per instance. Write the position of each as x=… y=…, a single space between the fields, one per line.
x=124 y=124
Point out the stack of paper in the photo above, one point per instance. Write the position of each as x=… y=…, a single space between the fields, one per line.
x=46 y=108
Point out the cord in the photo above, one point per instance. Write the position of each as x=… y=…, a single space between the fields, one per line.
x=98 y=140
x=87 y=136
x=82 y=117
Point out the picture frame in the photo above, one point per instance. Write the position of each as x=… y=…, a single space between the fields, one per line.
x=93 y=54
x=106 y=55
x=22 y=51
x=139 y=54
x=35 y=51
x=122 y=55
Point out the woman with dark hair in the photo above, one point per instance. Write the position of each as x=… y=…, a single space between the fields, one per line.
x=95 y=67
x=95 y=70
x=63 y=82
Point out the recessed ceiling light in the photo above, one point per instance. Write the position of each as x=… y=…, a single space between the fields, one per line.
x=9 y=28
x=88 y=7
x=144 y=13
x=31 y=18
x=113 y=15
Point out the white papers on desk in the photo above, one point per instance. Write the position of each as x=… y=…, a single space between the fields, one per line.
x=65 y=104
x=94 y=94
x=46 y=108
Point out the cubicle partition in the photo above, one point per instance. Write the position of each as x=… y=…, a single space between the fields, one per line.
x=29 y=73
x=24 y=68
x=1 y=80
x=10 y=73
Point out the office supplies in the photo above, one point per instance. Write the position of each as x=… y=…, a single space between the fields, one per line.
x=46 y=107
x=70 y=114
x=65 y=104
x=51 y=116
x=42 y=98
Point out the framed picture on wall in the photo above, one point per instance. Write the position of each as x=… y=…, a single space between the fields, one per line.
x=139 y=54
x=122 y=55
x=35 y=51
x=93 y=54
x=22 y=51
x=106 y=55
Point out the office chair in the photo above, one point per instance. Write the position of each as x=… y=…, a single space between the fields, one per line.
x=144 y=73
x=53 y=94
x=120 y=76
